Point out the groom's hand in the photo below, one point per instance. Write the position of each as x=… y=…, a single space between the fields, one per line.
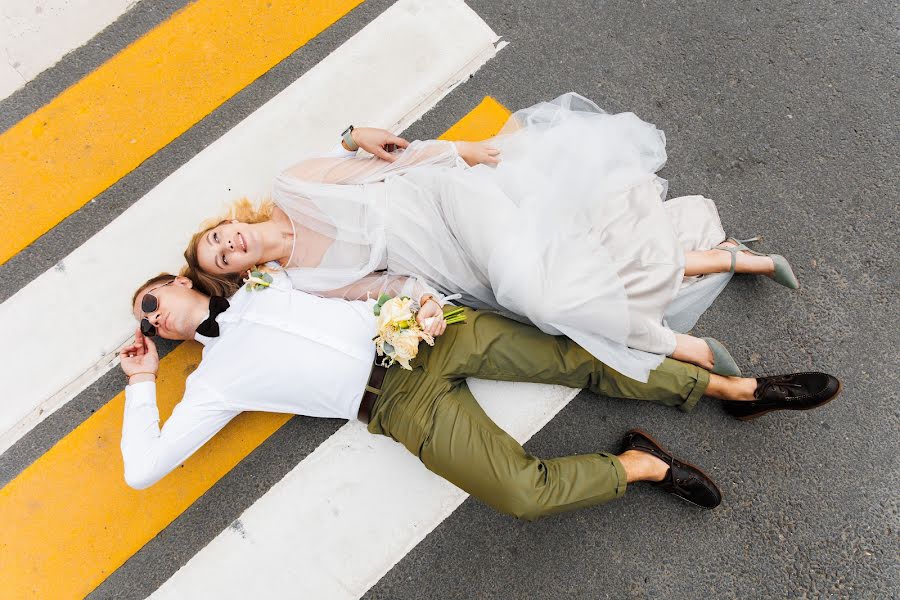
x=379 y=142
x=140 y=360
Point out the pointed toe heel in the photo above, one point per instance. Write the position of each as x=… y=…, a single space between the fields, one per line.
x=784 y=274
x=723 y=363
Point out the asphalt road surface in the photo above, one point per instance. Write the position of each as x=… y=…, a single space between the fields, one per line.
x=783 y=112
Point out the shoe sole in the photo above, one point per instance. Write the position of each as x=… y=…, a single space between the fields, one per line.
x=757 y=415
x=698 y=469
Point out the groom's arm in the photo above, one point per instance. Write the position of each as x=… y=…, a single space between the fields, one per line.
x=150 y=453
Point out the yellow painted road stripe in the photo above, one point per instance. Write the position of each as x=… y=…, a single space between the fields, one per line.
x=69 y=520
x=61 y=156
x=483 y=121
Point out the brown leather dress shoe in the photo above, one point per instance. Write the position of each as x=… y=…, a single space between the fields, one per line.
x=683 y=480
x=797 y=391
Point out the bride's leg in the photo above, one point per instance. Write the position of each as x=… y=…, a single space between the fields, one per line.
x=692 y=350
x=657 y=338
x=701 y=262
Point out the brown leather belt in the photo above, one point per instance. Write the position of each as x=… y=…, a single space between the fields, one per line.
x=373 y=390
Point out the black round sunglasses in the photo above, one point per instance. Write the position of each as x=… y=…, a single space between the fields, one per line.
x=149 y=303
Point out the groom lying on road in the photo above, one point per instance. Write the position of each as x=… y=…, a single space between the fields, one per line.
x=286 y=351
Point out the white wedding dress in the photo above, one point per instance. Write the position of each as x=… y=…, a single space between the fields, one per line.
x=569 y=232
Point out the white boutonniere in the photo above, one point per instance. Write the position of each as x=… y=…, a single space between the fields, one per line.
x=258 y=278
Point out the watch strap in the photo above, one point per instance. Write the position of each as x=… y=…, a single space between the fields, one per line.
x=348 y=139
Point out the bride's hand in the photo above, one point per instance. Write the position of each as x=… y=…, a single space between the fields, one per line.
x=379 y=142
x=478 y=153
x=431 y=318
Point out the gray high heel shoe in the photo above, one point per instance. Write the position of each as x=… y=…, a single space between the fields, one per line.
x=783 y=273
x=723 y=363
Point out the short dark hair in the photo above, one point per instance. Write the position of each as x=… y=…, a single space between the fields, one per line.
x=161 y=278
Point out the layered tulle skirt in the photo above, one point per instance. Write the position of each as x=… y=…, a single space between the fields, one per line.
x=570 y=232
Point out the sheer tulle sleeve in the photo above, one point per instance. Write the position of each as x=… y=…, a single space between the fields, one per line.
x=337 y=200
x=359 y=170
x=381 y=282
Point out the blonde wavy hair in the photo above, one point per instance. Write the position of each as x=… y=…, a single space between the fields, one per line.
x=222 y=284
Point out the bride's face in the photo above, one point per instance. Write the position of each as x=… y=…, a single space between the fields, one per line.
x=231 y=247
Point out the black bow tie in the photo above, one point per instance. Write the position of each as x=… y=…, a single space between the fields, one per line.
x=209 y=327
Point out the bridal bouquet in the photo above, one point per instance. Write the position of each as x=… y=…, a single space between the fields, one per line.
x=399 y=333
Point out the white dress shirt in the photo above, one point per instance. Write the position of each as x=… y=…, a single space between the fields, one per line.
x=279 y=350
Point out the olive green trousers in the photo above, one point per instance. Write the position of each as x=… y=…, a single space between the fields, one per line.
x=431 y=411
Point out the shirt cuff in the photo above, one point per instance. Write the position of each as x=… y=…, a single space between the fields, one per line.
x=141 y=393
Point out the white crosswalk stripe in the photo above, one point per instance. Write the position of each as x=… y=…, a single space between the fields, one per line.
x=347 y=513
x=36 y=35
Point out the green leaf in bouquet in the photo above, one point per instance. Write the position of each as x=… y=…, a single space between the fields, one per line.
x=376 y=309
x=267 y=278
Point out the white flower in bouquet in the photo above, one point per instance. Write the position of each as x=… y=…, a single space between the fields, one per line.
x=395 y=311
x=398 y=331
x=406 y=345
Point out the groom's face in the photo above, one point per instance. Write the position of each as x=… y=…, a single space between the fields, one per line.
x=175 y=304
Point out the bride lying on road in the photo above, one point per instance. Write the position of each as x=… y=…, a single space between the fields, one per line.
x=569 y=231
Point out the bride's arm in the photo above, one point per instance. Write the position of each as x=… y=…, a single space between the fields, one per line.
x=375 y=284
x=344 y=171
x=352 y=171
x=430 y=302
x=378 y=142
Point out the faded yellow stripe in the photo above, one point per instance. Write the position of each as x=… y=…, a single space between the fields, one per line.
x=61 y=156
x=69 y=520
x=481 y=122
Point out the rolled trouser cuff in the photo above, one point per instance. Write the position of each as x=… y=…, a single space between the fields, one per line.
x=622 y=477
x=698 y=391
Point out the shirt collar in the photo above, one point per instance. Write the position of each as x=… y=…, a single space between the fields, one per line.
x=240 y=299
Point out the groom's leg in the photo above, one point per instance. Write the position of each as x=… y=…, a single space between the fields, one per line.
x=468 y=449
x=490 y=346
